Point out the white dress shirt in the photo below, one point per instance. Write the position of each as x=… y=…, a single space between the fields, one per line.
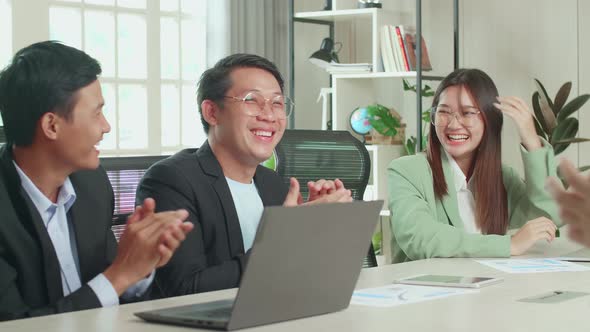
x=60 y=230
x=465 y=198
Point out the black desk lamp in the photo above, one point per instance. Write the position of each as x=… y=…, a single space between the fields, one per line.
x=325 y=55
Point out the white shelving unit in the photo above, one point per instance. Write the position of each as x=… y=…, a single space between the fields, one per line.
x=366 y=24
x=381 y=156
x=359 y=30
x=335 y=15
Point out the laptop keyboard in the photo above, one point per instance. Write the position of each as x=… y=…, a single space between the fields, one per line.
x=218 y=313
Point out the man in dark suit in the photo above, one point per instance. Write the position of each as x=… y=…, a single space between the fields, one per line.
x=221 y=184
x=57 y=251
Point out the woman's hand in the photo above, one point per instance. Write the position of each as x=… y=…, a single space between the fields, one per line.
x=518 y=111
x=531 y=232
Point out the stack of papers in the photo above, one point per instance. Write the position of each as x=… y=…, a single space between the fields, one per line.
x=340 y=68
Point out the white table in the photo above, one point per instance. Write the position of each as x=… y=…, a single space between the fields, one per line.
x=494 y=308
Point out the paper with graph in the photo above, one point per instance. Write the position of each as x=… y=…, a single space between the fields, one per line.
x=397 y=294
x=533 y=265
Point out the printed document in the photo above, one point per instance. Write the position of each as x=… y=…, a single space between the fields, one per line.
x=396 y=294
x=533 y=265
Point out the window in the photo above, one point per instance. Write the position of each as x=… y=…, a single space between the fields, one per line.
x=5 y=34
x=182 y=60
x=149 y=84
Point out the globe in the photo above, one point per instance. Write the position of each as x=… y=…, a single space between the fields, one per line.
x=359 y=121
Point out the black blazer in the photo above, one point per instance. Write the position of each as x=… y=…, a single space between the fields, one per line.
x=30 y=279
x=212 y=256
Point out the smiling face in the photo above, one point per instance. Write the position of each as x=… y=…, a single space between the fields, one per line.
x=78 y=135
x=245 y=139
x=459 y=141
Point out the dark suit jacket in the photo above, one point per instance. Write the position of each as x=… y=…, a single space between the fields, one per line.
x=212 y=256
x=30 y=279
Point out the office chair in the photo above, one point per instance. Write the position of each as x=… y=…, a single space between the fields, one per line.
x=309 y=155
x=2 y=136
x=124 y=174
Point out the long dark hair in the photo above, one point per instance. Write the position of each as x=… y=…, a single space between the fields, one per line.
x=491 y=210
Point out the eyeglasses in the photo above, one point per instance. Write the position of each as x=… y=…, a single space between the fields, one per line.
x=254 y=104
x=442 y=116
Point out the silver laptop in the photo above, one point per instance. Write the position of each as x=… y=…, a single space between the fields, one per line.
x=305 y=261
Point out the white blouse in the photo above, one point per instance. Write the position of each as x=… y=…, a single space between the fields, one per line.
x=465 y=199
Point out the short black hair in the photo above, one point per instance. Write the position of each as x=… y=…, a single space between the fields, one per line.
x=215 y=81
x=42 y=77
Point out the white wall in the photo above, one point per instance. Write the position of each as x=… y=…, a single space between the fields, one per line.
x=516 y=41
x=30 y=27
x=584 y=77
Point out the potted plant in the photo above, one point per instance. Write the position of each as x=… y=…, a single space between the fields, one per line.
x=553 y=118
x=387 y=123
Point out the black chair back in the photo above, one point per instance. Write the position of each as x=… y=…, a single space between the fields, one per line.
x=309 y=155
x=2 y=136
x=125 y=174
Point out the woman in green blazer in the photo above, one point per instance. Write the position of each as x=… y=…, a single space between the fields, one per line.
x=458 y=200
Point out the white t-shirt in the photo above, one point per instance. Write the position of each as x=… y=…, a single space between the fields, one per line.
x=249 y=208
x=465 y=198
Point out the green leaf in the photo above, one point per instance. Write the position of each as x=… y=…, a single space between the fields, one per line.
x=561 y=97
x=573 y=140
x=584 y=168
x=382 y=128
x=538 y=114
x=568 y=129
x=543 y=93
x=382 y=120
x=426 y=116
x=427 y=91
x=546 y=107
x=407 y=86
x=377 y=240
x=411 y=146
x=572 y=106
x=538 y=128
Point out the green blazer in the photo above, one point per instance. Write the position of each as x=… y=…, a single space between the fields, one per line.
x=425 y=227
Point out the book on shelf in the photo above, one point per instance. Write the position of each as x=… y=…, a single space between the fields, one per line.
x=386 y=50
x=389 y=54
x=410 y=43
x=395 y=49
x=398 y=49
x=399 y=30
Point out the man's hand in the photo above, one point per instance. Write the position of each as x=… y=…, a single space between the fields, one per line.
x=171 y=239
x=294 y=197
x=148 y=242
x=323 y=187
x=321 y=191
x=574 y=203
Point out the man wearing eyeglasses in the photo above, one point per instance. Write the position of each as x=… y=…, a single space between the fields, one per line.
x=222 y=185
